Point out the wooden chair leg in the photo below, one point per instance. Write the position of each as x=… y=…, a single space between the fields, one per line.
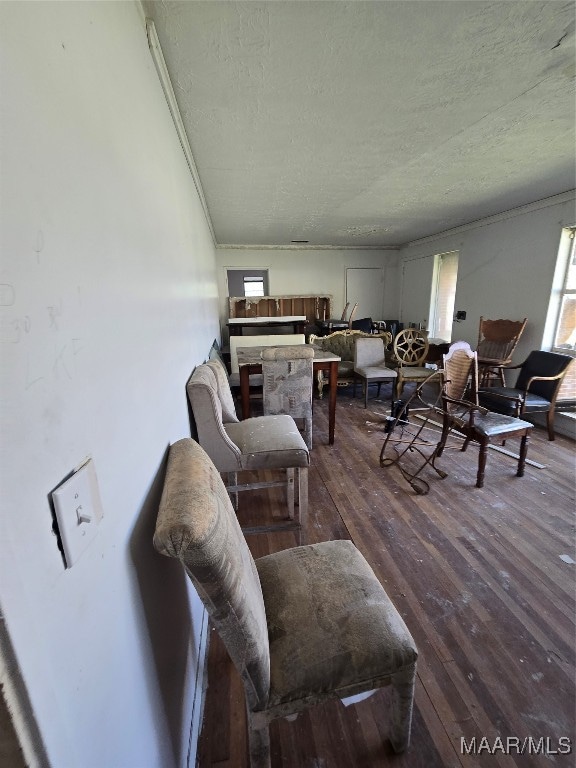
x=522 y=455
x=482 y=455
x=550 y=423
x=401 y=714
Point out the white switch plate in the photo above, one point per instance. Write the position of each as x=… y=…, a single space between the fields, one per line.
x=78 y=511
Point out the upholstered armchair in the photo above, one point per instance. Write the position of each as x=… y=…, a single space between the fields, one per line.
x=258 y=443
x=302 y=626
x=536 y=388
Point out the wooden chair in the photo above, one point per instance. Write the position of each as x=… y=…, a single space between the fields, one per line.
x=497 y=340
x=536 y=389
x=302 y=626
x=467 y=417
x=410 y=351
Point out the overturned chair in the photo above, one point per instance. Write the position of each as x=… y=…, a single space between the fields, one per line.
x=258 y=443
x=302 y=625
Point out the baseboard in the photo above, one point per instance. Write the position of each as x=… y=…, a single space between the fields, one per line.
x=564 y=423
x=199 y=693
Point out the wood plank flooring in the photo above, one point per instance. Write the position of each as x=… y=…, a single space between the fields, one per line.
x=477 y=575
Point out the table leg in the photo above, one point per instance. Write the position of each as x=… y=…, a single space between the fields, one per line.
x=245 y=391
x=332 y=401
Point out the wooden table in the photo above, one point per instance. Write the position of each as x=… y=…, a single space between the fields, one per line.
x=249 y=361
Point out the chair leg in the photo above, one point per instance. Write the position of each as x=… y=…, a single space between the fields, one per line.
x=259 y=744
x=401 y=714
x=550 y=423
x=522 y=455
x=302 y=500
x=308 y=432
x=365 y=393
x=482 y=455
x=290 y=491
x=233 y=480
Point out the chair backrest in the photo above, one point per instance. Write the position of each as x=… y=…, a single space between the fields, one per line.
x=202 y=390
x=539 y=363
x=363 y=324
x=352 y=313
x=497 y=339
x=287 y=375
x=342 y=342
x=224 y=391
x=411 y=347
x=460 y=372
x=368 y=351
x=197 y=525
x=268 y=340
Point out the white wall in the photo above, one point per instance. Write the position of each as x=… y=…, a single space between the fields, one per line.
x=109 y=300
x=310 y=271
x=505 y=269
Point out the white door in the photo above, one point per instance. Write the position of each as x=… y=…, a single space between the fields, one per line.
x=365 y=285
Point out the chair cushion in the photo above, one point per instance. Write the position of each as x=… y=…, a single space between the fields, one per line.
x=414 y=372
x=376 y=372
x=492 y=424
x=331 y=625
x=488 y=399
x=269 y=442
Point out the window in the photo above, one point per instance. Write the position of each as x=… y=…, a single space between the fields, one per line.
x=253 y=286
x=565 y=335
x=446 y=271
x=563 y=307
x=247 y=282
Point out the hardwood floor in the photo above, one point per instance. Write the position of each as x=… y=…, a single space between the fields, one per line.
x=479 y=578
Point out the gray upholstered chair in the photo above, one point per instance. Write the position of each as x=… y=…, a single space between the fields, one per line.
x=302 y=625
x=287 y=377
x=259 y=443
x=460 y=373
x=370 y=365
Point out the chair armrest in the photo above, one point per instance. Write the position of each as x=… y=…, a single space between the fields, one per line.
x=472 y=408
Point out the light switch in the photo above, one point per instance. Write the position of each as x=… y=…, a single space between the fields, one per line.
x=78 y=511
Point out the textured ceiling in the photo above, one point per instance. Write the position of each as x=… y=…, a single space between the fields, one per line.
x=371 y=123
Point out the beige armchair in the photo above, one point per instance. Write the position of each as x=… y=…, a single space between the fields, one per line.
x=302 y=625
x=259 y=443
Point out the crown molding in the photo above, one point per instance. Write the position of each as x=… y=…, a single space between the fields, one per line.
x=546 y=202
x=305 y=247
x=165 y=82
